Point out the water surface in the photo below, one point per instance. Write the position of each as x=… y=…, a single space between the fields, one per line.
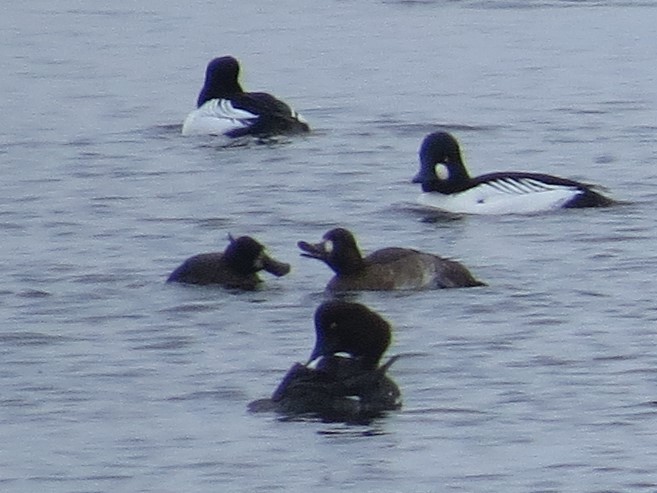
x=114 y=381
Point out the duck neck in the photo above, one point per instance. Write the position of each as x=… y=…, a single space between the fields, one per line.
x=456 y=169
x=348 y=263
x=218 y=90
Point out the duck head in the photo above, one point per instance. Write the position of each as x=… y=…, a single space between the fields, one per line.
x=440 y=160
x=352 y=328
x=338 y=249
x=220 y=80
x=247 y=256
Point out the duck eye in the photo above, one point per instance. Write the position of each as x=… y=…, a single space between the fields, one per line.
x=442 y=171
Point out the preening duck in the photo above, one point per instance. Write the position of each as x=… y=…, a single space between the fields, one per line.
x=236 y=267
x=447 y=185
x=224 y=108
x=342 y=381
x=386 y=269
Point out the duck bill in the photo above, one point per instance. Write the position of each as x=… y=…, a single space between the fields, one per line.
x=420 y=177
x=311 y=250
x=275 y=267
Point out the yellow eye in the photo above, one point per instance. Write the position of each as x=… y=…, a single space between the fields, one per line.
x=442 y=171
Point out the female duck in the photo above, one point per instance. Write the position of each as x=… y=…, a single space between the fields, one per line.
x=224 y=108
x=386 y=269
x=446 y=185
x=237 y=267
x=342 y=379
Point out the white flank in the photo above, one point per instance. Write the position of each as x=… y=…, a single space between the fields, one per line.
x=216 y=117
x=504 y=196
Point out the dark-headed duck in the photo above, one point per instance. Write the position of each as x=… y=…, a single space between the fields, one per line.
x=224 y=108
x=236 y=267
x=446 y=185
x=342 y=379
x=386 y=269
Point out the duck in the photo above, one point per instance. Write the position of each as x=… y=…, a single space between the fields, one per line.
x=447 y=185
x=236 y=267
x=342 y=380
x=224 y=108
x=386 y=269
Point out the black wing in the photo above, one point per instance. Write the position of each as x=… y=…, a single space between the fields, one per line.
x=274 y=116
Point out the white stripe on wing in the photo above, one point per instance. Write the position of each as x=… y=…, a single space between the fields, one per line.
x=521 y=186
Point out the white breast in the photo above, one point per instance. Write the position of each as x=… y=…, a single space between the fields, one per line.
x=216 y=117
x=504 y=196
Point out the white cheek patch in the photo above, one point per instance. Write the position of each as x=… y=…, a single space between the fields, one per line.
x=328 y=246
x=442 y=171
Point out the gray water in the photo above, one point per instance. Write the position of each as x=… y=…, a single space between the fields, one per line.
x=545 y=381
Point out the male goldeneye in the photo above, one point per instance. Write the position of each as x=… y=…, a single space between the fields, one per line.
x=386 y=269
x=223 y=108
x=342 y=380
x=236 y=267
x=446 y=185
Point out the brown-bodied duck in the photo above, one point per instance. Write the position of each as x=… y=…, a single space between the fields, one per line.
x=386 y=269
x=236 y=267
x=342 y=380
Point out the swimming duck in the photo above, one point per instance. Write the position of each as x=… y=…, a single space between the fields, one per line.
x=342 y=379
x=224 y=108
x=236 y=267
x=386 y=269
x=446 y=185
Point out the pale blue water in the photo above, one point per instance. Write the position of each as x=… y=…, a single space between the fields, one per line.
x=111 y=380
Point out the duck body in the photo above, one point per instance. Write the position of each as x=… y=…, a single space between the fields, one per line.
x=342 y=380
x=386 y=269
x=338 y=388
x=446 y=185
x=236 y=267
x=224 y=108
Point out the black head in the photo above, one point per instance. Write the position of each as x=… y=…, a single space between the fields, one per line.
x=338 y=249
x=344 y=327
x=220 y=79
x=246 y=256
x=440 y=159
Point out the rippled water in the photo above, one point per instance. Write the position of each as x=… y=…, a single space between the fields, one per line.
x=113 y=381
